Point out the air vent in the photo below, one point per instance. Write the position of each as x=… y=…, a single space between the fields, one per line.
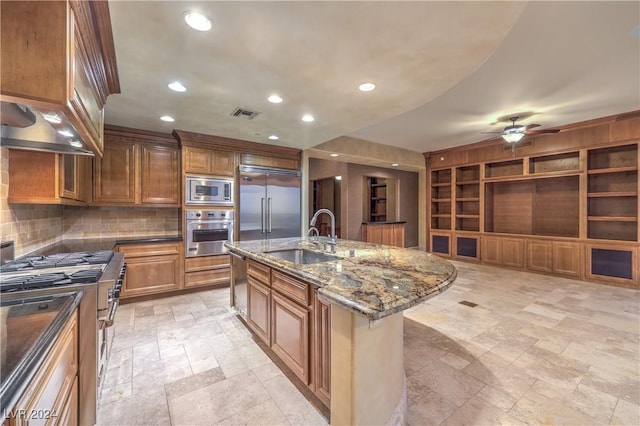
x=244 y=113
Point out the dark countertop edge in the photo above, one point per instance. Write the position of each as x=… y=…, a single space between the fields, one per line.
x=338 y=299
x=20 y=378
x=107 y=243
x=391 y=222
x=144 y=240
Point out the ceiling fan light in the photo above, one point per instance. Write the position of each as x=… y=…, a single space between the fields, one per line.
x=512 y=137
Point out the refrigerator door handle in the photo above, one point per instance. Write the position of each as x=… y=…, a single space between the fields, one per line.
x=269 y=213
x=262 y=216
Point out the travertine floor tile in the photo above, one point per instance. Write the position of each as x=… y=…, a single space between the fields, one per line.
x=537 y=349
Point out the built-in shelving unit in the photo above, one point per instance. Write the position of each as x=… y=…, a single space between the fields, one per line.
x=468 y=198
x=612 y=207
x=441 y=199
x=565 y=204
x=377 y=199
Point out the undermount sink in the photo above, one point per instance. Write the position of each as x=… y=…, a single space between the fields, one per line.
x=302 y=256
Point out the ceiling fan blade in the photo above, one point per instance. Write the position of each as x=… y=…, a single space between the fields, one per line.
x=531 y=126
x=539 y=132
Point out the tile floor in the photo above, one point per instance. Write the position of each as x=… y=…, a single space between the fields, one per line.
x=535 y=350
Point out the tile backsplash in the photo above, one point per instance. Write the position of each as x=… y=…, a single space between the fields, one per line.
x=113 y=222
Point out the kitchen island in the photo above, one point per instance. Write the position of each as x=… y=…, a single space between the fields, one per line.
x=367 y=286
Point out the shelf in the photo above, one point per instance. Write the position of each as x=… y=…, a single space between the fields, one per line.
x=378 y=185
x=612 y=170
x=468 y=199
x=441 y=215
x=468 y=216
x=441 y=200
x=468 y=182
x=378 y=214
x=611 y=194
x=612 y=218
x=435 y=185
x=378 y=198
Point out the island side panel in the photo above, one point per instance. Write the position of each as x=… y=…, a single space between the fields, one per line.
x=367 y=370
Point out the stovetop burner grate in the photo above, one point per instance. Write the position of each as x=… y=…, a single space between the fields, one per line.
x=58 y=260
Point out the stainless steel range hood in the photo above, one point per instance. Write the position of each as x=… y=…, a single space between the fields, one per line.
x=24 y=128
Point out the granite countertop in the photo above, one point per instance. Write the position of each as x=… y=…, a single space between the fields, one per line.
x=28 y=329
x=370 y=279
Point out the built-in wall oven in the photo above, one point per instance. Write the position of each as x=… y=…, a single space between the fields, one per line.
x=207 y=231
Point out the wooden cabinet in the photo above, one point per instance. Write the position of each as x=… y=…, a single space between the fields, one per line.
x=390 y=234
x=151 y=268
x=503 y=251
x=286 y=314
x=280 y=162
x=467 y=198
x=207 y=271
x=59 y=57
x=160 y=179
x=208 y=161
x=441 y=244
x=467 y=246
x=321 y=353
x=48 y=178
x=137 y=168
x=613 y=263
x=52 y=393
x=115 y=174
x=441 y=199
x=290 y=334
x=258 y=309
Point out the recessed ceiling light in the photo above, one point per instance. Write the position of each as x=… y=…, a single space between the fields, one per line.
x=197 y=20
x=395 y=164
x=273 y=137
x=167 y=118
x=274 y=99
x=334 y=155
x=52 y=117
x=308 y=118
x=176 y=86
x=366 y=87
x=67 y=133
x=75 y=143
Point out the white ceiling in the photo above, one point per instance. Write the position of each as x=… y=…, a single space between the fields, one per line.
x=445 y=71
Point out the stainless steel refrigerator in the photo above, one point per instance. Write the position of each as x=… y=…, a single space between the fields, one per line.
x=270 y=203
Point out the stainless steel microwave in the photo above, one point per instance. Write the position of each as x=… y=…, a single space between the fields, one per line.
x=208 y=191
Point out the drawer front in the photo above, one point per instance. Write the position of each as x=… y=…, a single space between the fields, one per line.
x=211 y=277
x=138 y=250
x=203 y=263
x=291 y=287
x=259 y=271
x=52 y=385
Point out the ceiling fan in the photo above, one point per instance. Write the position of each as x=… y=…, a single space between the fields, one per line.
x=515 y=132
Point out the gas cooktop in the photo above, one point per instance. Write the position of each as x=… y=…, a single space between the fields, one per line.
x=59 y=260
x=56 y=270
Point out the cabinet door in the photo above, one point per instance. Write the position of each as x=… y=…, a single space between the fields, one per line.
x=513 y=252
x=151 y=274
x=160 y=175
x=115 y=174
x=258 y=313
x=566 y=258
x=539 y=256
x=387 y=235
x=373 y=234
x=84 y=182
x=290 y=334
x=398 y=234
x=491 y=250
x=197 y=160
x=68 y=176
x=223 y=163
x=322 y=349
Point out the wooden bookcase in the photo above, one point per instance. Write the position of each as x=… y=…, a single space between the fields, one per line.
x=441 y=199
x=377 y=199
x=571 y=210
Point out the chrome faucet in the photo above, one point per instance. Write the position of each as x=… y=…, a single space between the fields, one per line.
x=314 y=239
x=332 y=238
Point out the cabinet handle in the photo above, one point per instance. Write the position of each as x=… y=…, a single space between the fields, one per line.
x=269 y=212
x=262 y=216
